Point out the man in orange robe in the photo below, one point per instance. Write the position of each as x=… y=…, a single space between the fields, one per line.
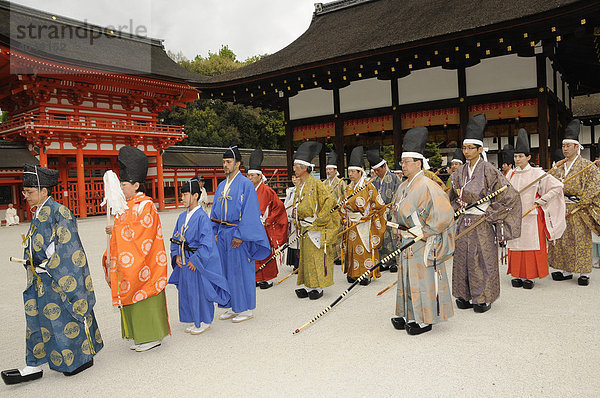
x=138 y=260
x=273 y=216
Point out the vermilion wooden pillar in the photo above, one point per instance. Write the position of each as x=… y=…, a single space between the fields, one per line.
x=43 y=157
x=81 y=202
x=160 y=180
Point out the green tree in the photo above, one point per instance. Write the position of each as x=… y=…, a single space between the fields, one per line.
x=432 y=153
x=217 y=123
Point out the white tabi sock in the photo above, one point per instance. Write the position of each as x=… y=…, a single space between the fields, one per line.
x=27 y=370
x=316 y=289
x=248 y=312
x=586 y=275
x=422 y=324
x=204 y=325
x=566 y=273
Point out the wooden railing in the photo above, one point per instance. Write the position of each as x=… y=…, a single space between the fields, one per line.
x=88 y=124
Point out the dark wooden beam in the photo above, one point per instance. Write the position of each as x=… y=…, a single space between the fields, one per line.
x=339 y=132
x=396 y=122
x=322 y=164
x=542 y=110
x=289 y=138
x=463 y=106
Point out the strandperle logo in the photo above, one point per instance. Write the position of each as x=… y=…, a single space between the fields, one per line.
x=60 y=32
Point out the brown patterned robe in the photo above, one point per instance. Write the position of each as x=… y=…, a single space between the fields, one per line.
x=337 y=187
x=475 y=274
x=573 y=251
x=363 y=238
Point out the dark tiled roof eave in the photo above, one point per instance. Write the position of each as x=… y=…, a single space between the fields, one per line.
x=374 y=26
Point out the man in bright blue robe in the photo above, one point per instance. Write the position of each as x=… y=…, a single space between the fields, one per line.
x=241 y=236
x=59 y=298
x=197 y=270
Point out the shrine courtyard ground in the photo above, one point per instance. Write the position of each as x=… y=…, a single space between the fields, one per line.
x=540 y=342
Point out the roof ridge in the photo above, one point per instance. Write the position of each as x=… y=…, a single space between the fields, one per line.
x=324 y=8
x=60 y=19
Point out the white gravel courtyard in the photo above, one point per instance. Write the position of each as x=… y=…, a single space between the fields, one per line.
x=540 y=342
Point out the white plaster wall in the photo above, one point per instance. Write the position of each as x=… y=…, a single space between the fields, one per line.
x=510 y=72
x=428 y=85
x=310 y=103
x=365 y=94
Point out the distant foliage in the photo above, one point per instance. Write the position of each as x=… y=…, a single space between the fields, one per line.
x=216 y=123
x=432 y=153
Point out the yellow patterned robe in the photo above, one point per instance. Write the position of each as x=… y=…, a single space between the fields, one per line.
x=337 y=187
x=573 y=251
x=365 y=224
x=313 y=203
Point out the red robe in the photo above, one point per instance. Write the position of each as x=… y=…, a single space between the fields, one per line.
x=276 y=225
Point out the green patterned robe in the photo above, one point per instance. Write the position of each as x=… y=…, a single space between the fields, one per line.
x=61 y=327
x=313 y=200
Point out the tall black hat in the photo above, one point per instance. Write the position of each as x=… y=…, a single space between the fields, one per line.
x=191 y=186
x=475 y=128
x=357 y=160
x=522 y=143
x=572 y=130
x=414 y=143
x=133 y=164
x=35 y=176
x=256 y=159
x=374 y=157
x=508 y=154
x=307 y=152
x=332 y=159
x=233 y=152
x=457 y=156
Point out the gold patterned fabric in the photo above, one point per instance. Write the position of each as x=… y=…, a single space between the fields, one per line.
x=364 y=223
x=573 y=251
x=337 y=187
x=313 y=203
x=59 y=299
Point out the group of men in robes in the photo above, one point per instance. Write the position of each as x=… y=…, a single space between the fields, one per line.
x=412 y=226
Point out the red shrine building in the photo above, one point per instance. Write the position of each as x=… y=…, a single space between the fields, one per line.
x=75 y=93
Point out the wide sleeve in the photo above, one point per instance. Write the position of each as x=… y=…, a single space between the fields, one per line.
x=441 y=215
x=176 y=249
x=68 y=265
x=250 y=229
x=504 y=209
x=325 y=204
x=591 y=187
x=207 y=261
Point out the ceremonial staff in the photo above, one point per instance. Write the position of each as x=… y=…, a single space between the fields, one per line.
x=274 y=173
x=350 y=197
x=289 y=242
x=280 y=249
x=546 y=174
x=360 y=278
x=365 y=218
x=479 y=202
x=116 y=204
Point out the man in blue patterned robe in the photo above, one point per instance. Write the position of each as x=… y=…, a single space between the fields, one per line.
x=59 y=299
